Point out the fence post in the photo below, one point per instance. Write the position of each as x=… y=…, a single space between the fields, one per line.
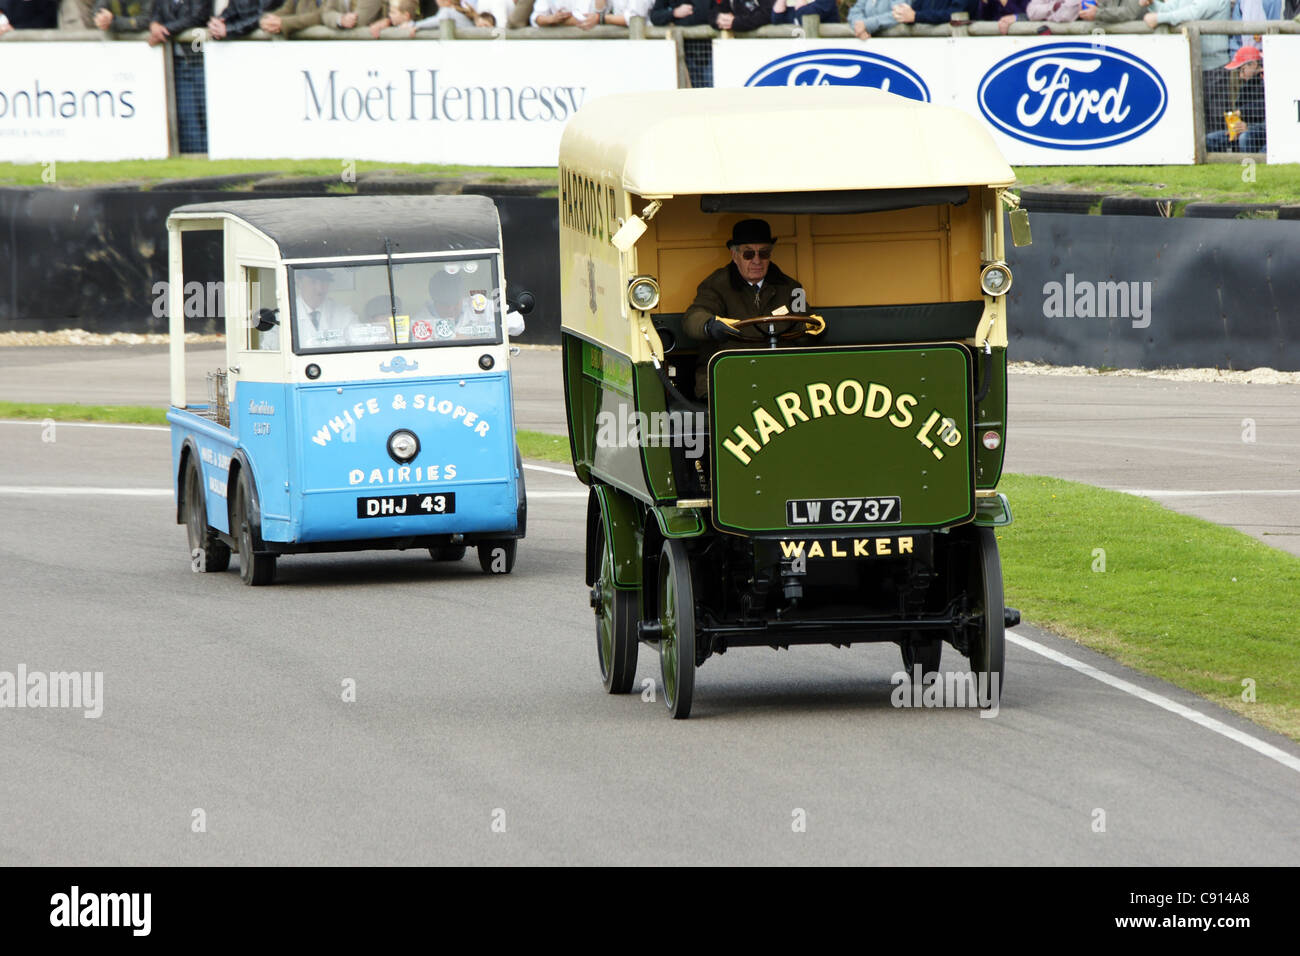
x=636 y=28
x=173 y=121
x=812 y=25
x=679 y=43
x=1193 y=35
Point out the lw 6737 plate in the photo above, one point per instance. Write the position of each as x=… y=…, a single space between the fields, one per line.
x=887 y=509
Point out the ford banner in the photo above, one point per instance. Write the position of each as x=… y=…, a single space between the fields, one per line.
x=1113 y=100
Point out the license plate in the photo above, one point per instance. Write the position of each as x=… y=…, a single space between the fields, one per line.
x=819 y=511
x=397 y=506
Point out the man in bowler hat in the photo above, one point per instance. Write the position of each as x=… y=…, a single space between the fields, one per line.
x=749 y=286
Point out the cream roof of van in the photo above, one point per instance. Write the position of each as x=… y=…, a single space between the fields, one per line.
x=778 y=139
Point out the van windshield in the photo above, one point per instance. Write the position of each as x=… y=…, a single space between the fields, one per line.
x=436 y=302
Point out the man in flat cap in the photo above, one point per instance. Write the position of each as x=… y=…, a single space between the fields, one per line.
x=749 y=286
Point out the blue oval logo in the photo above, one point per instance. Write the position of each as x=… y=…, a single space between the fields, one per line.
x=842 y=67
x=1073 y=96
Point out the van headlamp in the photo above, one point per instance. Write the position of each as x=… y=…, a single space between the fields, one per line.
x=995 y=279
x=643 y=293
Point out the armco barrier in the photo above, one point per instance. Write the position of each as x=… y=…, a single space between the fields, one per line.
x=94 y=258
x=1122 y=291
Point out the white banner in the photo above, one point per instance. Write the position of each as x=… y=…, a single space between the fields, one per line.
x=1122 y=100
x=1282 y=97
x=82 y=101
x=495 y=103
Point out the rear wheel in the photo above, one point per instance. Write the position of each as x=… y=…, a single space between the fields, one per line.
x=256 y=568
x=922 y=652
x=616 y=620
x=986 y=645
x=677 y=628
x=207 y=551
x=497 y=557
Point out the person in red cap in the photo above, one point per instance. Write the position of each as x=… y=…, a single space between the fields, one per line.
x=1249 y=107
x=749 y=286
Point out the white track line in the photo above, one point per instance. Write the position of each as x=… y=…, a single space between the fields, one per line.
x=40 y=422
x=1170 y=493
x=551 y=471
x=1209 y=723
x=38 y=490
x=558 y=494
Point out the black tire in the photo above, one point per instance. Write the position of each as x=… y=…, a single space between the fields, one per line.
x=617 y=614
x=207 y=551
x=256 y=568
x=987 y=641
x=926 y=652
x=493 y=562
x=677 y=629
x=448 y=552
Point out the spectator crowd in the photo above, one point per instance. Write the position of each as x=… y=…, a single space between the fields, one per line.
x=1232 y=66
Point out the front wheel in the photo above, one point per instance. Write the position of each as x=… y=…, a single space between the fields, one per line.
x=256 y=568
x=447 y=552
x=986 y=645
x=676 y=628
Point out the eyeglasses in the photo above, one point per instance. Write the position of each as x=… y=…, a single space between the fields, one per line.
x=764 y=253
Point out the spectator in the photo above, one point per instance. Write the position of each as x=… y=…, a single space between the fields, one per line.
x=793 y=11
x=399 y=13
x=121 y=16
x=1214 y=49
x=1005 y=12
x=621 y=12
x=1057 y=11
x=239 y=18
x=293 y=16
x=741 y=16
x=869 y=17
x=1252 y=11
x=171 y=17
x=1251 y=136
x=562 y=13
x=28 y=15
x=453 y=10
x=934 y=11
x=679 y=13
x=350 y=14
x=77 y=15
x=1113 y=11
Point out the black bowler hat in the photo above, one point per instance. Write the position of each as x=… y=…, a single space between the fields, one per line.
x=750 y=231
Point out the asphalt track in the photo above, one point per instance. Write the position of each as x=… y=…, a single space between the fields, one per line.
x=478 y=698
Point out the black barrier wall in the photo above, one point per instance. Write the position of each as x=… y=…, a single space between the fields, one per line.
x=1147 y=292
x=96 y=259
x=1122 y=291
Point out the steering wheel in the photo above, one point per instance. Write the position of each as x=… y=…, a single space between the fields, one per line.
x=799 y=324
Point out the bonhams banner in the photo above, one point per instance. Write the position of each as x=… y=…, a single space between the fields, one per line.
x=81 y=101
x=496 y=103
x=1120 y=100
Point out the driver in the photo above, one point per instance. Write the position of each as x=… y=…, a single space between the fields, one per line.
x=749 y=286
x=321 y=320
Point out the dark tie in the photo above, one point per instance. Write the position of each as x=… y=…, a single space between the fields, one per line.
x=315 y=319
x=756 y=289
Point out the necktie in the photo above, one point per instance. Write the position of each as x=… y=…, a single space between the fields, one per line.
x=315 y=319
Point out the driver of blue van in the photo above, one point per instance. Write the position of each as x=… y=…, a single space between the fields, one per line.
x=321 y=321
x=749 y=286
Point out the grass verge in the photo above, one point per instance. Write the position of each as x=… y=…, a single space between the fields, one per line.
x=1215 y=182
x=1202 y=606
x=1194 y=603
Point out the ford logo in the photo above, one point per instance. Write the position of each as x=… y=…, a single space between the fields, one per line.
x=1072 y=96
x=838 y=67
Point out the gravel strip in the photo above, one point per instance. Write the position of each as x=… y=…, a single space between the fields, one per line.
x=1254 y=376
x=82 y=337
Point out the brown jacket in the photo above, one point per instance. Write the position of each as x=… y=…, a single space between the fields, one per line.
x=298 y=15
x=367 y=11
x=724 y=292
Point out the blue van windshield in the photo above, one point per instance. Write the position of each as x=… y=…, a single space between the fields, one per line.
x=346 y=308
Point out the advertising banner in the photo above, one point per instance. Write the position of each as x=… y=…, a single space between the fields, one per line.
x=1108 y=100
x=82 y=101
x=1282 y=97
x=495 y=103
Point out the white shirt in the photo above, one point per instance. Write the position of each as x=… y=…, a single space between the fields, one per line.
x=333 y=319
x=547 y=7
x=631 y=8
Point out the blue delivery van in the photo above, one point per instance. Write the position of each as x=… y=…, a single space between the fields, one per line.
x=363 y=400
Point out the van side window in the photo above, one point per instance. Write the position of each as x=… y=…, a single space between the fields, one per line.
x=259 y=334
